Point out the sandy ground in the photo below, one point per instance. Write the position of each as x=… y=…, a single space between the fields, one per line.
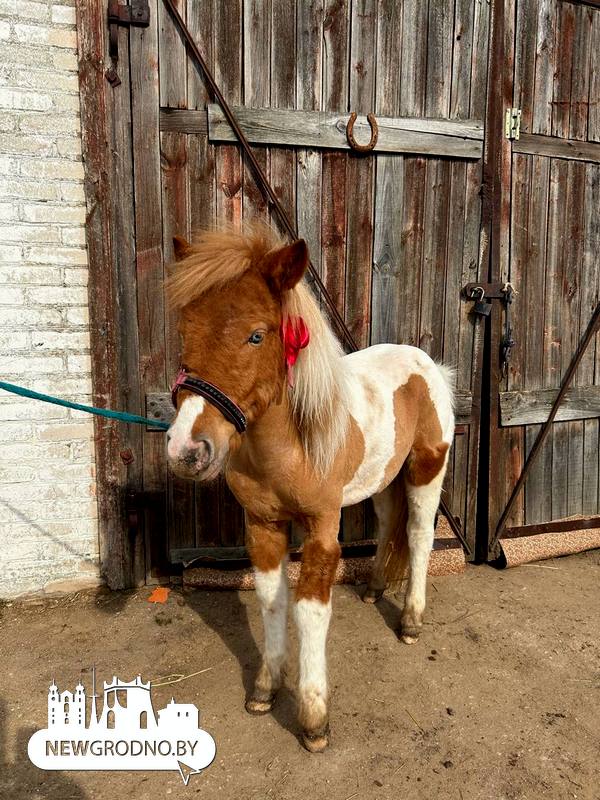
x=499 y=699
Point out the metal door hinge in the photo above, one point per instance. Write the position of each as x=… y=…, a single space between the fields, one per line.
x=137 y=14
x=512 y=123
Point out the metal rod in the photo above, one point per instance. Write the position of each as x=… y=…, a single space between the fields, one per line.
x=541 y=437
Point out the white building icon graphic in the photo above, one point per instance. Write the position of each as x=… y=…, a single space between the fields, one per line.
x=125 y=734
x=126 y=706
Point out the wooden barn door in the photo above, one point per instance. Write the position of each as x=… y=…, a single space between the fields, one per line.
x=395 y=233
x=550 y=252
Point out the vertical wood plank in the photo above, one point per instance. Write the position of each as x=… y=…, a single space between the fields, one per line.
x=524 y=75
x=580 y=79
x=359 y=204
x=257 y=94
x=283 y=95
x=150 y=275
x=387 y=288
x=107 y=149
x=594 y=98
x=202 y=214
x=590 y=374
x=172 y=58
x=228 y=48
x=545 y=59
x=309 y=59
x=538 y=488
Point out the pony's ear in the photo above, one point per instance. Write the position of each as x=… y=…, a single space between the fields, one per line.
x=181 y=247
x=283 y=268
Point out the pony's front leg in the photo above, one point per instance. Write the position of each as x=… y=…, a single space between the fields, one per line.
x=267 y=545
x=312 y=610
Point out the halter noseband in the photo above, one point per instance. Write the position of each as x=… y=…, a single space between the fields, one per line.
x=215 y=396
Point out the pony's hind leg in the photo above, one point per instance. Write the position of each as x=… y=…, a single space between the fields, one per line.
x=387 y=511
x=423 y=501
x=267 y=545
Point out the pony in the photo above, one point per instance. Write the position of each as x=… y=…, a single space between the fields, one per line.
x=300 y=430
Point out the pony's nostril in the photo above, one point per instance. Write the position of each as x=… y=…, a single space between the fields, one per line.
x=205 y=451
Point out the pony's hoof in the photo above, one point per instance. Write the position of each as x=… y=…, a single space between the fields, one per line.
x=257 y=707
x=372 y=595
x=316 y=741
x=408 y=639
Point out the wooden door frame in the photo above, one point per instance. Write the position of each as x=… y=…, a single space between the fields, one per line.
x=110 y=236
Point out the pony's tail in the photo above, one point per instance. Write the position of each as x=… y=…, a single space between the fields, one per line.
x=396 y=556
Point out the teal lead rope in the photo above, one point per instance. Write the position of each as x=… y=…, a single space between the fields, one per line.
x=123 y=416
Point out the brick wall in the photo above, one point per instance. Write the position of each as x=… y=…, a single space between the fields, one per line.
x=48 y=527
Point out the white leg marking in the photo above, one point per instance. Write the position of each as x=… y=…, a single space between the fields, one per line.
x=423 y=502
x=312 y=619
x=272 y=591
x=180 y=432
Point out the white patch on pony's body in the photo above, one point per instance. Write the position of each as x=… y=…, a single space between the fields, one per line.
x=180 y=432
x=272 y=592
x=374 y=374
x=312 y=618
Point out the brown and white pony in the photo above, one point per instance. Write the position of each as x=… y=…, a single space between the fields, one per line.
x=325 y=433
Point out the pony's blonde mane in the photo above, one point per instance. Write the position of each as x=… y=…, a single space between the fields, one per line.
x=319 y=397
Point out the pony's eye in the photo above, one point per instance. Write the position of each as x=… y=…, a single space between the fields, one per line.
x=256 y=337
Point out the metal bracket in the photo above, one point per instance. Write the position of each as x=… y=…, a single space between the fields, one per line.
x=512 y=123
x=135 y=15
x=492 y=291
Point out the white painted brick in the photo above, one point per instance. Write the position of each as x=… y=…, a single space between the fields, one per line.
x=72 y=192
x=13 y=340
x=61 y=124
x=48 y=530
x=55 y=255
x=10 y=254
x=65 y=59
x=30 y=365
x=23 y=274
x=33 y=410
x=32 y=34
x=63 y=15
x=79 y=364
x=65 y=433
x=15 y=432
x=24 y=10
x=76 y=277
x=78 y=316
x=10 y=296
x=30 y=233
x=28 y=189
x=30 y=318
x=74 y=236
x=29 y=101
x=44 y=212
x=58 y=295
x=51 y=168
x=30 y=145
x=60 y=340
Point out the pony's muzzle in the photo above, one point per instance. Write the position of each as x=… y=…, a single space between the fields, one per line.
x=191 y=458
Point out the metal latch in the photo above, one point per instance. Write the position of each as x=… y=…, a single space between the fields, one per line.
x=137 y=15
x=512 y=123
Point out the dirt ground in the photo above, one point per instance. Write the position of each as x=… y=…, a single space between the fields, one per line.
x=498 y=700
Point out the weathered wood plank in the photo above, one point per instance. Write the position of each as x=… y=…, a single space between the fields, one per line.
x=594 y=98
x=113 y=313
x=580 y=77
x=228 y=49
x=283 y=95
x=545 y=60
x=300 y=128
x=532 y=406
x=555 y=147
x=538 y=489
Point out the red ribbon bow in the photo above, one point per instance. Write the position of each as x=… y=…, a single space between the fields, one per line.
x=295 y=337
